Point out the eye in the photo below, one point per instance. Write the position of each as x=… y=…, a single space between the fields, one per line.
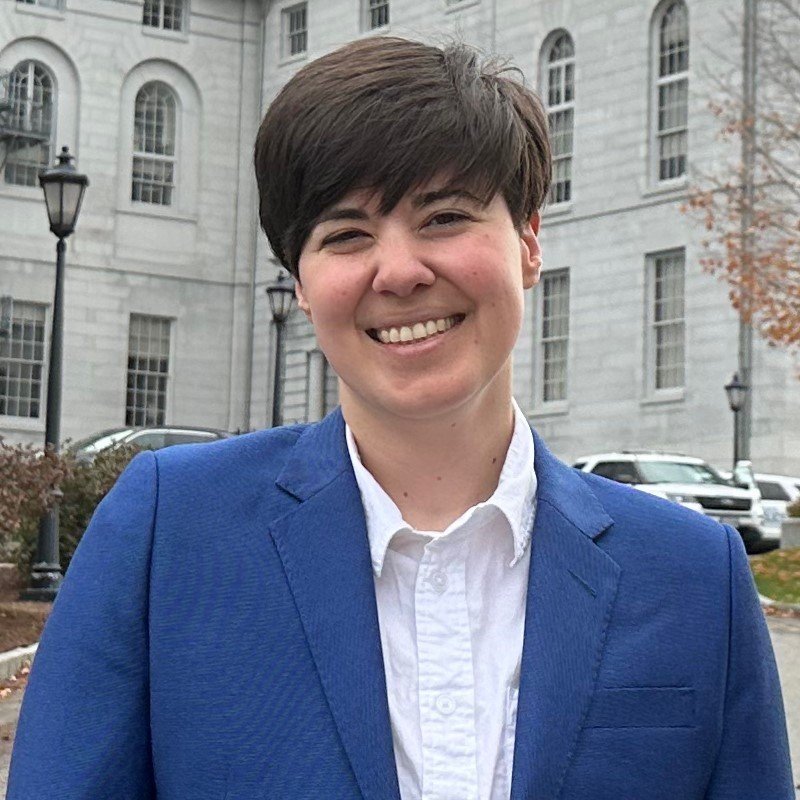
x=443 y=218
x=342 y=237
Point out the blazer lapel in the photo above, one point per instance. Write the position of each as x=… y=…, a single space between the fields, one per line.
x=571 y=591
x=325 y=553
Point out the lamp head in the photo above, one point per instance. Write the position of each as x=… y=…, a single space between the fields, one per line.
x=63 y=190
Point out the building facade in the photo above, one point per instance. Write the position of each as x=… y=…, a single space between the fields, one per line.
x=627 y=342
x=158 y=101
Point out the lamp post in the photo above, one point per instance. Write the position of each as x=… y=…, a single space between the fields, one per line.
x=737 y=395
x=281 y=296
x=63 y=194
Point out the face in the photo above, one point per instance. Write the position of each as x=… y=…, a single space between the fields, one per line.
x=418 y=310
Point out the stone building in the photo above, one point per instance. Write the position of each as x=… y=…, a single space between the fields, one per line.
x=627 y=343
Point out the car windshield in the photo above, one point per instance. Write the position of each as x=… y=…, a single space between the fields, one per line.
x=94 y=444
x=678 y=472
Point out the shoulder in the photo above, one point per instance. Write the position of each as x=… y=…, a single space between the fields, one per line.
x=265 y=451
x=666 y=536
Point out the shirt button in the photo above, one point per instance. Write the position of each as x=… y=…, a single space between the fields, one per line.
x=439 y=581
x=445 y=705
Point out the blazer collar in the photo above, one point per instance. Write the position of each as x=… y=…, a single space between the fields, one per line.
x=571 y=591
x=324 y=547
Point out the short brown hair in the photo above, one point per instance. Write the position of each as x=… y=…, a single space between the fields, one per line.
x=389 y=114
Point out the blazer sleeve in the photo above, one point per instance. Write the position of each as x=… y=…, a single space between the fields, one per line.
x=753 y=758
x=83 y=732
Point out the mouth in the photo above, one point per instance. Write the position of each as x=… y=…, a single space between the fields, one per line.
x=415 y=332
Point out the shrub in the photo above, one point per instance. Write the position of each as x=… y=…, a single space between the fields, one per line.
x=31 y=481
x=793 y=509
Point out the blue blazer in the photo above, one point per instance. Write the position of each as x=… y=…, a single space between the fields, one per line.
x=217 y=637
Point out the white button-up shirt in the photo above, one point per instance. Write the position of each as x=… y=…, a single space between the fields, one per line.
x=451 y=608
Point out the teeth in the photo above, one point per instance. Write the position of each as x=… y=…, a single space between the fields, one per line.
x=416 y=332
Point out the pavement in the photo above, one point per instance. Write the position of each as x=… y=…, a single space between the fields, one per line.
x=785 y=633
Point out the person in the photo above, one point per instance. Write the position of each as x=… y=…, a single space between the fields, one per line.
x=412 y=598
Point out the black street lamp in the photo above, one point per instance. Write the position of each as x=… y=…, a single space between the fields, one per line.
x=281 y=297
x=737 y=394
x=63 y=194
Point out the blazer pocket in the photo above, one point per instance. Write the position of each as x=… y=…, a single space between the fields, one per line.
x=643 y=707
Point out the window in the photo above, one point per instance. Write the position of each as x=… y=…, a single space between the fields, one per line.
x=154 y=145
x=165 y=14
x=620 y=471
x=30 y=116
x=295 y=30
x=666 y=320
x=560 y=94
x=376 y=14
x=148 y=370
x=672 y=91
x=41 y=3
x=22 y=362
x=554 y=336
x=772 y=491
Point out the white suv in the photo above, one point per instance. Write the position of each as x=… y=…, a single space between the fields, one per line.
x=692 y=483
x=777 y=491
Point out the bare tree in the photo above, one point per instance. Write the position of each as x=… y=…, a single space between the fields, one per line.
x=753 y=237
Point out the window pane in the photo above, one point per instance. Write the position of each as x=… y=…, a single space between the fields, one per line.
x=295 y=30
x=148 y=370
x=30 y=118
x=378 y=13
x=21 y=362
x=674 y=40
x=554 y=335
x=668 y=327
x=154 y=145
x=560 y=92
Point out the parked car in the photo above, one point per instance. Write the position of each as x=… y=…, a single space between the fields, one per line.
x=777 y=491
x=152 y=437
x=691 y=482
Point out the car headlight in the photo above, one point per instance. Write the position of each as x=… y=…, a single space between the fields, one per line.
x=682 y=498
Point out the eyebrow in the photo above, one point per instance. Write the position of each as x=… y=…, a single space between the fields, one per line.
x=338 y=213
x=428 y=198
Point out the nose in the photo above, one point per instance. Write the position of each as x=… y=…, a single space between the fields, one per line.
x=400 y=268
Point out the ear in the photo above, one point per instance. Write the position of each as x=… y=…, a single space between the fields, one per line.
x=530 y=252
x=302 y=301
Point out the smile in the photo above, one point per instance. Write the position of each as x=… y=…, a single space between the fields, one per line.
x=405 y=334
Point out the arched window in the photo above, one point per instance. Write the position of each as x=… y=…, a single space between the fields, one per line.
x=671 y=90
x=560 y=94
x=31 y=93
x=154 y=138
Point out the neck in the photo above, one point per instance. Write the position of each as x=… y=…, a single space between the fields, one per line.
x=435 y=469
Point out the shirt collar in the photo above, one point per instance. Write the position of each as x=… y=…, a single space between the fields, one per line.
x=514 y=497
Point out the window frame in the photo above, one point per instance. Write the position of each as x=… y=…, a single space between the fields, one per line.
x=367 y=10
x=168 y=375
x=172 y=159
x=32 y=64
x=651 y=338
x=542 y=404
x=564 y=66
x=659 y=81
x=39 y=7
x=286 y=53
x=160 y=29
x=28 y=420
